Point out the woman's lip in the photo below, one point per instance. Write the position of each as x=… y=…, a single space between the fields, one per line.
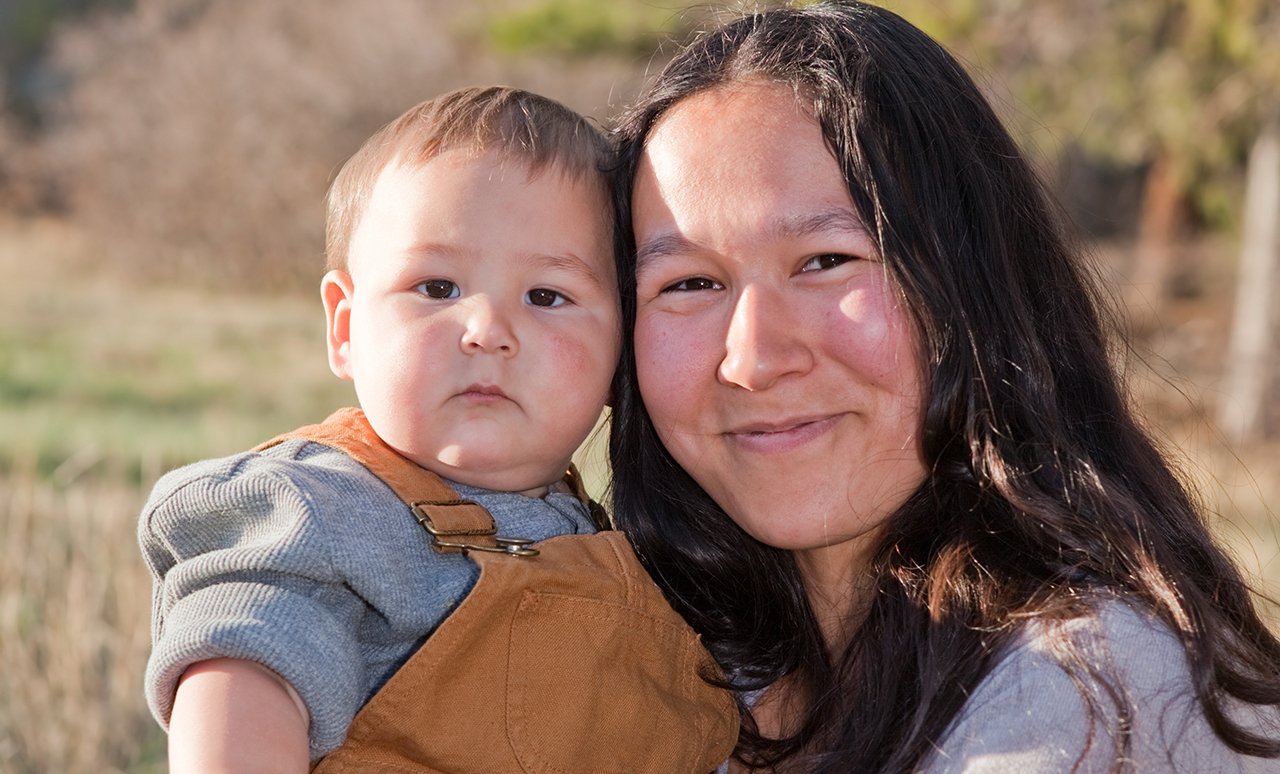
x=781 y=436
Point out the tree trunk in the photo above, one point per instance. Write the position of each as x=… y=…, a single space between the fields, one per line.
x=1241 y=413
x=1154 y=252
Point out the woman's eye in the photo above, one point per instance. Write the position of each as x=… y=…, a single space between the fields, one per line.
x=692 y=284
x=826 y=261
x=544 y=297
x=439 y=288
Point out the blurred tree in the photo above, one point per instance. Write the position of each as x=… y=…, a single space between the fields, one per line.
x=196 y=138
x=583 y=28
x=1186 y=89
x=1180 y=87
x=1201 y=74
x=1251 y=362
x=25 y=29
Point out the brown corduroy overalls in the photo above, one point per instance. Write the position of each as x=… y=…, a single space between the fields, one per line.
x=566 y=661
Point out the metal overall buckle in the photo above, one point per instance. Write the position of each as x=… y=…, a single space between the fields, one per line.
x=443 y=539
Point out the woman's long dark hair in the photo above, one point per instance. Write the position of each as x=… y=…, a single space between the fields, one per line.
x=1042 y=493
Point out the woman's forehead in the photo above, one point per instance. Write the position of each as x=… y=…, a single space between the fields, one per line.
x=734 y=107
x=749 y=156
x=749 y=132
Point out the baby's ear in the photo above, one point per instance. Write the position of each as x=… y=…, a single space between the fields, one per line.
x=338 y=291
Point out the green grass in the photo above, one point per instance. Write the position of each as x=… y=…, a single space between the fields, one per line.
x=100 y=374
x=144 y=373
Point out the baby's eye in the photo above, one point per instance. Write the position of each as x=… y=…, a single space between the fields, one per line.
x=692 y=284
x=545 y=297
x=826 y=261
x=438 y=288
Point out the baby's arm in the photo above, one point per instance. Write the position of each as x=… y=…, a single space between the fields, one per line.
x=243 y=565
x=231 y=715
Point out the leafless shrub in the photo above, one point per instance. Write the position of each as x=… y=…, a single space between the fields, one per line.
x=198 y=136
x=24 y=185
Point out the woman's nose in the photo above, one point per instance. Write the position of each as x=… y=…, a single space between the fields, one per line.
x=487 y=329
x=764 y=343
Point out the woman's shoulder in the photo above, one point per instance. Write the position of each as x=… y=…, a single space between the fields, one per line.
x=1120 y=637
x=1062 y=690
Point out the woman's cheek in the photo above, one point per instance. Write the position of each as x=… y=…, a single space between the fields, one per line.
x=871 y=329
x=671 y=363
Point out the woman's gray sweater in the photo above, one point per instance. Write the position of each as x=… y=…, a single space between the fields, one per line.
x=1032 y=716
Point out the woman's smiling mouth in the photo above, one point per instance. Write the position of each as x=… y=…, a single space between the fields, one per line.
x=777 y=437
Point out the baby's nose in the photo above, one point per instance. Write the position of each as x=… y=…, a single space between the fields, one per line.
x=487 y=329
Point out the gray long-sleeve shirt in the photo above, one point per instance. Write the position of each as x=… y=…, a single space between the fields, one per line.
x=1030 y=716
x=300 y=559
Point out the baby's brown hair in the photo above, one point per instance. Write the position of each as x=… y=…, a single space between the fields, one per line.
x=526 y=127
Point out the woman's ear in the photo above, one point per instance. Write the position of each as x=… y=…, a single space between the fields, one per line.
x=338 y=292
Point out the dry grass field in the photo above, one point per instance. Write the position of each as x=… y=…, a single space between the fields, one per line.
x=104 y=384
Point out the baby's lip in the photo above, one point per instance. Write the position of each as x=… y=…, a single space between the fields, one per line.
x=483 y=390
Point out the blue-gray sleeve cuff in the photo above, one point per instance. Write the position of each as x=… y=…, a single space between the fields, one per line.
x=290 y=633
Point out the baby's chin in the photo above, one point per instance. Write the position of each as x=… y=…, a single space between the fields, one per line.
x=504 y=475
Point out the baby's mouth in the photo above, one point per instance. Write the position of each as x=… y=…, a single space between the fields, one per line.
x=483 y=392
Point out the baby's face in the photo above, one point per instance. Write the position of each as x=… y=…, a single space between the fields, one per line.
x=480 y=318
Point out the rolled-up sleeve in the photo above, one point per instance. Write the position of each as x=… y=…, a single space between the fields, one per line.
x=243 y=570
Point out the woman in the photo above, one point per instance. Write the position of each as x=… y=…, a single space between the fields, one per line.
x=868 y=439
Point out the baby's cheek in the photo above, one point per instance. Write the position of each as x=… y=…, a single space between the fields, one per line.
x=581 y=368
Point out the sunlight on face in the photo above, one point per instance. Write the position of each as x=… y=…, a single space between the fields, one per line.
x=773 y=355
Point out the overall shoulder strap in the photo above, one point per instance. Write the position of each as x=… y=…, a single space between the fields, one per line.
x=347 y=430
x=455 y=524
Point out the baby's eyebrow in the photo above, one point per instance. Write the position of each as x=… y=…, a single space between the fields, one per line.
x=440 y=249
x=569 y=263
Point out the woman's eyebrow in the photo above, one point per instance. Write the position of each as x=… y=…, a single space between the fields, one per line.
x=836 y=219
x=660 y=246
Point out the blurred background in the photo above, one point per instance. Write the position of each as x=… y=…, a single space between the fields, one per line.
x=163 y=165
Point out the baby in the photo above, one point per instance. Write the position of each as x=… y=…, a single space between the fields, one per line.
x=473 y=300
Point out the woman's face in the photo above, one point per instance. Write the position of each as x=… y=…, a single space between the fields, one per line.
x=774 y=357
